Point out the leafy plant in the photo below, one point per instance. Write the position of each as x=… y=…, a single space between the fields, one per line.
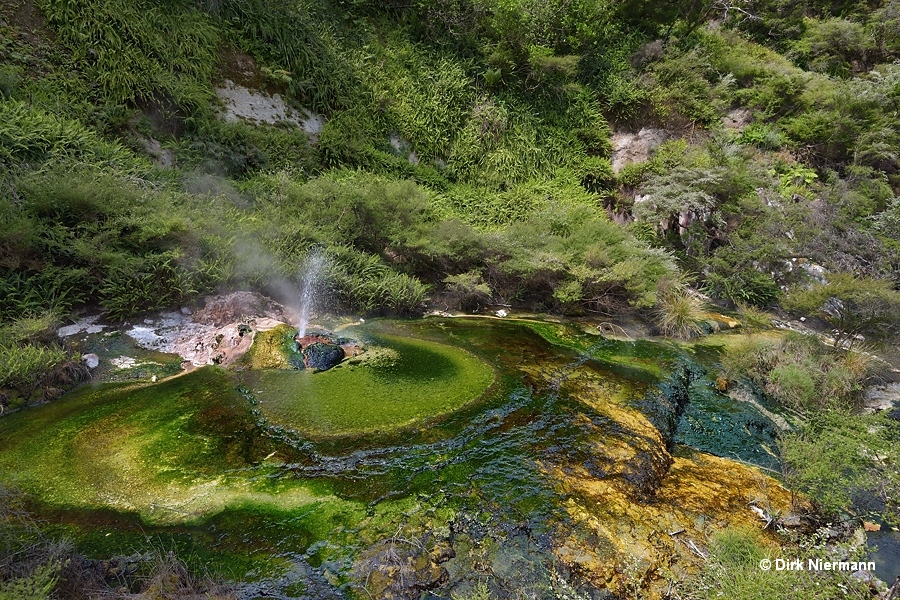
x=851 y=305
x=22 y=366
x=831 y=460
x=28 y=134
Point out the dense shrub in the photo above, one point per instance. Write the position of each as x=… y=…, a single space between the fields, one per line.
x=833 y=46
x=295 y=39
x=677 y=312
x=98 y=237
x=802 y=374
x=852 y=305
x=831 y=460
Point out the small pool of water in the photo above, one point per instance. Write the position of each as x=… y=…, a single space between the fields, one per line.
x=887 y=554
x=407 y=381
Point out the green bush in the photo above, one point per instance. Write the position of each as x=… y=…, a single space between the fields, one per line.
x=802 y=374
x=363 y=283
x=832 y=460
x=296 y=39
x=424 y=111
x=578 y=258
x=677 y=312
x=99 y=237
x=29 y=329
x=887 y=222
x=793 y=384
x=852 y=305
x=746 y=285
x=762 y=135
x=681 y=89
x=763 y=79
x=239 y=149
x=831 y=46
x=501 y=145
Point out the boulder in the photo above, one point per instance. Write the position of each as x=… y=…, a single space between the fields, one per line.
x=91 y=361
x=322 y=356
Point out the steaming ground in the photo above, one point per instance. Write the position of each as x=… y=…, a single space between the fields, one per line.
x=214 y=334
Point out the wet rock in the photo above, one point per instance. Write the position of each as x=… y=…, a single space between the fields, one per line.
x=441 y=553
x=322 y=356
x=665 y=405
x=91 y=361
x=397 y=569
x=645 y=471
x=877 y=398
x=795 y=522
x=219 y=311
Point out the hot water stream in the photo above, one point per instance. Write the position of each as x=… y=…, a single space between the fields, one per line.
x=533 y=456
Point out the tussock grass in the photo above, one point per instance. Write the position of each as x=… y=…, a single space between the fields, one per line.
x=801 y=373
x=678 y=313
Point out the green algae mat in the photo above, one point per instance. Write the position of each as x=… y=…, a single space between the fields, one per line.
x=407 y=382
x=164 y=451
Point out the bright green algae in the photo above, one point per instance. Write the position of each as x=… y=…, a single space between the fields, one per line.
x=170 y=452
x=414 y=381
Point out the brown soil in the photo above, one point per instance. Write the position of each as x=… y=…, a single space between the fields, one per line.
x=28 y=20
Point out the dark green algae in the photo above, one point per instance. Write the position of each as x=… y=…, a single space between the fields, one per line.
x=197 y=463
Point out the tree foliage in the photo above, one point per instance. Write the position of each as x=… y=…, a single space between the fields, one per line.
x=852 y=305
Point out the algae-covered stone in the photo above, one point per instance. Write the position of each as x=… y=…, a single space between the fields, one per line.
x=271 y=349
x=323 y=356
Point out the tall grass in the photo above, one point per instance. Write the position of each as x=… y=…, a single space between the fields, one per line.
x=294 y=37
x=733 y=571
x=678 y=313
x=30 y=135
x=801 y=373
x=23 y=366
x=134 y=51
x=425 y=98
